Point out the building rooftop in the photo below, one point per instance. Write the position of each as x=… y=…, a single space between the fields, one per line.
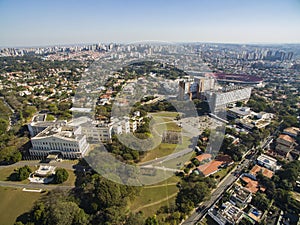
x=266 y=172
x=292 y=130
x=287 y=138
x=267 y=160
x=252 y=185
x=255 y=214
x=241 y=193
x=231 y=213
x=209 y=168
x=203 y=157
x=243 y=111
x=65 y=132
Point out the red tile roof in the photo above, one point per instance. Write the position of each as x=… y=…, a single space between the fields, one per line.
x=209 y=168
x=252 y=185
x=266 y=172
x=203 y=157
x=286 y=138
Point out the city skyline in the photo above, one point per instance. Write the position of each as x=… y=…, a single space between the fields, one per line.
x=34 y=23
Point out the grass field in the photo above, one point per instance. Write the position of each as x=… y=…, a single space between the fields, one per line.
x=6 y=172
x=164 y=121
x=162 y=150
x=165 y=114
x=152 y=198
x=171 y=180
x=172 y=126
x=15 y=202
x=151 y=210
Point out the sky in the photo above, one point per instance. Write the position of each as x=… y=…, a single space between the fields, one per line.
x=41 y=22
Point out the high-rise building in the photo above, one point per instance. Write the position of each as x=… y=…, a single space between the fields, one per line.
x=181 y=90
x=220 y=99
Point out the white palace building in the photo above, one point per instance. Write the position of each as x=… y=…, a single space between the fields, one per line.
x=71 y=139
x=65 y=140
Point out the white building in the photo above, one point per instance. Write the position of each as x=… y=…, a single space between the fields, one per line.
x=65 y=140
x=239 y=112
x=97 y=132
x=267 y=161
x=220 y=99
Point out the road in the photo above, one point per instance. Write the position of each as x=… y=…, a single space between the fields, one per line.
x=167 y=158
x=33 y=186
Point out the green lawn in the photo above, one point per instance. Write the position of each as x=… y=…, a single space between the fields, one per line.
x=15 y=202
x=151 y=210
x=161 y=150
x=171 y=180
x=171 y=126
x=154 y=196
x=6 y=172
x=165 y=114
x=164 y=149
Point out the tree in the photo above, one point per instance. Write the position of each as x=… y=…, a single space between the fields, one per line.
x=22 y=173
x=53 y=108
x=135 y=218
x=3 y=126
x=260 y=201
x=282 y=198
x=151 y=220
x=29 y=111
x=191 y=195
x=61 y=175
x=115 y=215
x=66 y=213
x=245 y=221
x=10 y=154
x=50 y=117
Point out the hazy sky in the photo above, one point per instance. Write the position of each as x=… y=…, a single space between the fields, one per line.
x=41 y=22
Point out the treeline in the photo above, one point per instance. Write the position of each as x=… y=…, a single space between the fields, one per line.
x=287 y=111
x=30 y=62
x=167 y=71
x=11 y=140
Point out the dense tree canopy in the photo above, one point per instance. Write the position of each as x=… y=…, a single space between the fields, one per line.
x=61 y=175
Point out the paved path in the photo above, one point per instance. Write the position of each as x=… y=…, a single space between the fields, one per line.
x=167 y=158
x=160 y=185
x=33 y=186
x=162 y=168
